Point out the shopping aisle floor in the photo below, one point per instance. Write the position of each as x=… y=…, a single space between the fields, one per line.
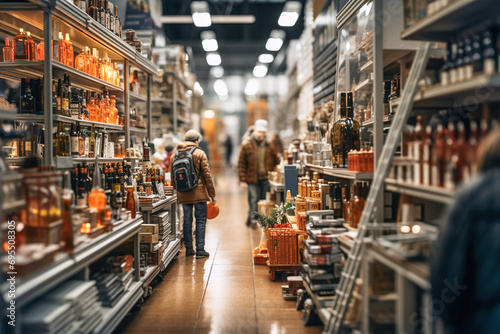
x=225 y=293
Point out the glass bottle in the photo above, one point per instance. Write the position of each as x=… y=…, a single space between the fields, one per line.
x=108 y=15
x=85 y=111
x=63 y=53
x=444 y=72
x=107 y=109
x=80 y=61
x=70 y=55
x=460 y=61
x=477 y=55
x=473 y=147
x=438 y=158
x=112 y=17
x=102 y=13
x=94 y=63
x=468 y=69
x=67 y=227
x=92 y=142
x=489 y=54
x=75 y=144
x=66 y=96
x=426 y=156
x=464 y=173
x=453 y=165
x=345 y=135
x=121 y=118
x=21 y=46
x=346 y=206
x=90 y=107
x=102 y=109
x=92 y=10
x=28 y=101
x=113 y=111
x=453 y=76
x=81 y=142
x=31 y=47
x=135 y=85
x=418 y=151
x=117 y=75
x=118 y=23
x=62 y=142
x=97 y=197
x=130 y=202
x=8 y=51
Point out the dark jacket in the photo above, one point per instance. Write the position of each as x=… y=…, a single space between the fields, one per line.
x=205 y=188
x=465 y=270
x=247 y=161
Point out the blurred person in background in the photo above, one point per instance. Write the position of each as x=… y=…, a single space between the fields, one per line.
x=465 y=269
x=166 y=162
x=229 y=150
x=256 y=158
x=203 y=144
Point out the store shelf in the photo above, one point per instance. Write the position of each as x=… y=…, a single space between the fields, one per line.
x=170 y=253
x=67 y=265
x=448 y=20
x=365 y=86
x=180 y=78
x=137 y=98
x=390 y=56
x=158 y=206
x=150 y=275
x=113 y=316
x=342 y=173
x=319 y=303
x=386 y=119
x=278 y=187
x=137 y=130
x=183 y=103
x=434 y=194
x=15 y=160
x=183 y=120
x=100 y=160
x=23 y=69
x=60 y=118
x=367 y=67
x=475 y=86
x=8 y=114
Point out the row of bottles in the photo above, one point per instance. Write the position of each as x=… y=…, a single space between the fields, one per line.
x=102 y=68
x=472 y=55
x=352 y=207
x=29 y=145
x=104 y=12
x=345 y=132
x=444 y=156
x=361 y=161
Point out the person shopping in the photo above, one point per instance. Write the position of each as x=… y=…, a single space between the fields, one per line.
x=465 y=269
x=196 y=198
x=256 y=158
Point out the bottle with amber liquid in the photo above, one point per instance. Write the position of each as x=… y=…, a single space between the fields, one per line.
x=345 y=135
x=97 y=197
x=8 y=51
x=113 y=111
x=21 y=46
x=31 y=47
x=67 y=227
x=63 y=147
x=28 y=101
x=81 y=61
x=346 y=205
x=439 y=157
x=130 y=202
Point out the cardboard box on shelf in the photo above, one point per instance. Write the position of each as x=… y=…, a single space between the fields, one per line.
x=149 y=229
x=148 y=238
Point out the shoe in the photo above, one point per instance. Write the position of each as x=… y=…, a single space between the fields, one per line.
x=202 y=254
x=190 y=252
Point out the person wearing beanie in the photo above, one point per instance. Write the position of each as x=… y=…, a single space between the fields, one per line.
x=197 y=198
x=256 y=158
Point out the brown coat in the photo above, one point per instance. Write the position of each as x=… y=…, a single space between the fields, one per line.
x=205 y=188
x=247 y=161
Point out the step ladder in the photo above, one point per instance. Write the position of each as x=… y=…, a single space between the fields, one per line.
x=351 y=270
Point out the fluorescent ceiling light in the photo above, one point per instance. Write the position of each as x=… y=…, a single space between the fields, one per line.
x=213 y=59
x=209 y=113
x=252 y=87
x=198 y=88
x=266 y=58
x=217 y=71
x=209 y=45
x=290 y=14
x=260 y=71
x=275 y=41
x=220 y=87
x=201 y=16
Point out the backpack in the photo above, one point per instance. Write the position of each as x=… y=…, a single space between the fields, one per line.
x=184 y=172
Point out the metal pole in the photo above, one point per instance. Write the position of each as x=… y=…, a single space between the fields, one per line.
x=378 y=104
x=174 y=102
x=47 y=87
x=126 y=100
x=149 y=105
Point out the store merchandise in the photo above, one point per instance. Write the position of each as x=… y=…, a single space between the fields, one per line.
x=104 y=12
x=8 y=51
x=345 y=133
x=360 y=161
x=133 y=40
x=283 y=246
x=113 y=275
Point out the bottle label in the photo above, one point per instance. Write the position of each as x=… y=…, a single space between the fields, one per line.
x=461 y=73
x=416 y=150
x=434 y=176
x=74 y=145
x=65 y=103
x=40 y=150
x=453 y=76
x=98 y=146
x=416 y=173
x=87 y=146
x=20 y=51
x=337 y=205
x=489 y=66
x=469 y=72
x=444 y=78
x=27 y=146
x=426 y=156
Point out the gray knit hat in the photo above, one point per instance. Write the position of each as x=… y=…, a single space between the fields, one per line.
x=192 y=135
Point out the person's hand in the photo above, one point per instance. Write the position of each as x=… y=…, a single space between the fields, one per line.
x=243 y=185
x=213 y=200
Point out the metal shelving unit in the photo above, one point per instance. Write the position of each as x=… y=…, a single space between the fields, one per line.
x=8 y=114
x=177 y=103
x=341 y=173
x=435 y=194
x=170 y=253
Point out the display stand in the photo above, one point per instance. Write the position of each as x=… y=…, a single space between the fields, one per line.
x=277 y=189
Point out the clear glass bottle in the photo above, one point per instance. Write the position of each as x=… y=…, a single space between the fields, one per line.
x=8 y=51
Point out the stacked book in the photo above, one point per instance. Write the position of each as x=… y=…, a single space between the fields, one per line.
x=283 y=247
x=70 y=308
x=164 y=227
x=322 y=265
x=112 y=284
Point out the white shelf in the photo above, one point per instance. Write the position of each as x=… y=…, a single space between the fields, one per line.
x=370 y=122
x=134 y=129
x=367 y=67
x=100 y=160
x=137 y=98
x=170 y=253
x=67 y=265
x=435 y=194
x=158 y=206
x=65 y=119
x=114 y=315
x=341 y=173
x=448 y=20
x=150 y=275
x=459 y=89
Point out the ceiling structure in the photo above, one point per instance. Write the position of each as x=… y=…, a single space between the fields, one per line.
x=239 y=45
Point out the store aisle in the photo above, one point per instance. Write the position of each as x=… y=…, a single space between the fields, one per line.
x=222 y=294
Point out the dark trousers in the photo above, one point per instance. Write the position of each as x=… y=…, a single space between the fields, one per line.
x=256 y=192
x=200 y=213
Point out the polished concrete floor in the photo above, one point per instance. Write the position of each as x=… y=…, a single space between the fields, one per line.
x=225 y=293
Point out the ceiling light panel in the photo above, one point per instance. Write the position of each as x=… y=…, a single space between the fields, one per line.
x=290 y=14
x=260 y=71
x=200 y=13
x=213 y=59
x=217 y=71
x=266 y=58
x=274 y=44
x=210 y=45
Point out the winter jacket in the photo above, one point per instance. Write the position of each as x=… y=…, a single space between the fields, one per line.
x=247 y=161
x=205 y=188
x=166 y=162
x=465 y=269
